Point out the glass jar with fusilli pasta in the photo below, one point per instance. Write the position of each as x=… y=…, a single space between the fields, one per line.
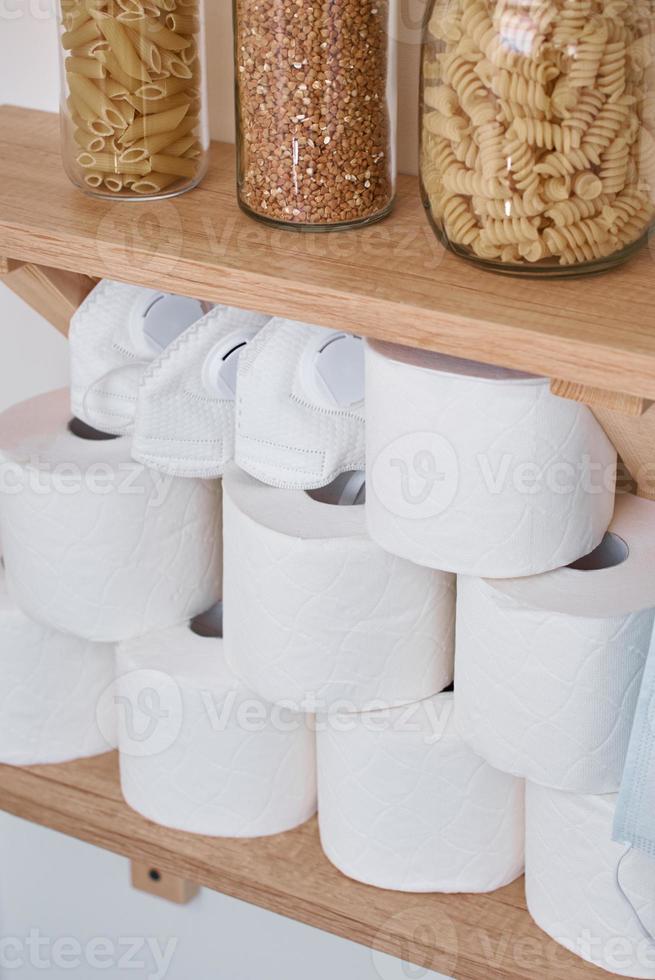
x=133 y=106
x=538 y=131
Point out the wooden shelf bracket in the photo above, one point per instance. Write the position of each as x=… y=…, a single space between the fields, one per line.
x=54 y=294
x=629 y=422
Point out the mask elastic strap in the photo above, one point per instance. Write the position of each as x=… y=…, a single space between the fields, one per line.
x=617 y=876
x=353 y=488
x=141 y=363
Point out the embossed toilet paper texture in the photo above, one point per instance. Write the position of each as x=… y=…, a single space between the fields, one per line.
x=95 y=544
x=478 y=470
x=219 y=762
x=545 y=695
x=405 y=804
x=50 y=685
x=570 y=880
x=329 y=620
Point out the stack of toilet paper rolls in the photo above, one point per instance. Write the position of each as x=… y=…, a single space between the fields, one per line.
x=320 y=617
x=110 y=632
x=458 y=523
x=485 y=473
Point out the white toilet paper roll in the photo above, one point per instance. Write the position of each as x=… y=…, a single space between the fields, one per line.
x=479 y=470
x=318 y=614
x=548 y=669
x=50 y=687
x=571 y=888
x=94 y=543
x=405 y=804
x=198 y=751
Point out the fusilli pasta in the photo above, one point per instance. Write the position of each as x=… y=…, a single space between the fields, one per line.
x=538 y=132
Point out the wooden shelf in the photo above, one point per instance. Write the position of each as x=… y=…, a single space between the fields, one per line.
x=470 y=937
x=393 y=281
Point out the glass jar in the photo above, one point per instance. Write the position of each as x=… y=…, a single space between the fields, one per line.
x=538 y=131
x=133 y=105
x=316 y=111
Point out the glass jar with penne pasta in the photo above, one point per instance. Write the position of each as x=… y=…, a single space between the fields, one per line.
x=538 y=131
x=133 y=108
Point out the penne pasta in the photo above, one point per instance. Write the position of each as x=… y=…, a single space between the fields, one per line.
x=163 y=87
x=85 y=66
x=147 y=50
x=95 y=99
x=153 y=183
x=109 y=163
x=108 y=59
x=157 y=31
x=133 y=105
x=89 y=141
x=93 y=179
x=124 y=51
x=164 y=164
x=158 y=122
x=147 y=106
x=88 y=31
x=161 y=141
x=183 y=23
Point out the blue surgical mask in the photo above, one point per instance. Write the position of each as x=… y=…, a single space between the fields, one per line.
x=634 y=819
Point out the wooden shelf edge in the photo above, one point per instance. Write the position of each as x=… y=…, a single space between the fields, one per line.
x=470 y=937
x=484 y=339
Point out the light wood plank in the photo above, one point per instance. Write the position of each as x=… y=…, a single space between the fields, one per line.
x=393 y=280
x=616 y=401
x=470 y=937
x=53 y=293
x=635 y=440
x=153 y=881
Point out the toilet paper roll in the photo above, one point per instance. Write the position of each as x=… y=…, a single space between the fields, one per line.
x=198 y=751
x=94 y=543
x=479 y=470
x=50 y=688
x=548 y=669
x=405 y=804
x=571 y=888
x=318 y=614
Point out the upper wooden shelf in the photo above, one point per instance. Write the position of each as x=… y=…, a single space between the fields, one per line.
x=470 y=937
x=393 y=280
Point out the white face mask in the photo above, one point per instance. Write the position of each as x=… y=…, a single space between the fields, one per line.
x=300 y=406
x=185 y=412
x=115 y=334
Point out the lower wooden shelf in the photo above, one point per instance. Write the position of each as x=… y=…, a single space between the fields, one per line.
x=469 y=937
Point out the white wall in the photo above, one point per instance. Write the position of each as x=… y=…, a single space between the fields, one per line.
x=53 y=887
